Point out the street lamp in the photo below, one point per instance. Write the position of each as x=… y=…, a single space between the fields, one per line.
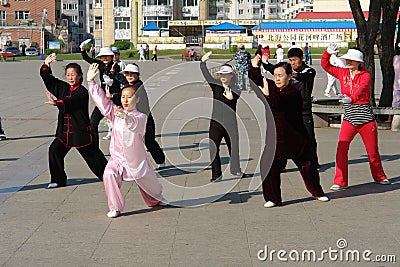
x=44 y=17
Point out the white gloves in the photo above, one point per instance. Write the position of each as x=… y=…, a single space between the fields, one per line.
x=332 y=48
x=344 y=99
x=92 y=72
x=228 y=93
x=82 y=45
x=206 y=56
x=119 y=113
x=107 y=80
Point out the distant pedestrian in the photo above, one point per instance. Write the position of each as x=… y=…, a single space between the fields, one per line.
x=266 y=51
x=279 y=54
x=2 y=134
x=243 y=58
x=147 y=52
x=23 y=48
x=396 y=84
x=154 y=58
x=309 y=55
x=259 y=50
x=306 y=53
x=141 y=54
x=192 y=55
x=73 y=124
x=93 y=51
x=332 y=85
x=128 y=159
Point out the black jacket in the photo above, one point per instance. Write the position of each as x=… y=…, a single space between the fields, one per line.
x=73 y=125
x=224 y=110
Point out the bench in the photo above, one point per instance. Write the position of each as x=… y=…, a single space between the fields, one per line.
x=5 y=55
x=322 y=113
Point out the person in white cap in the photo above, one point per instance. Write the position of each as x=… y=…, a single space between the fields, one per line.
x=358 y=117
x=132 y=76
x=128 y=159
x=108 y=69
x=223 y=122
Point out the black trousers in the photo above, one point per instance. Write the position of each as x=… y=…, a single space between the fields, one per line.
x=150 y=141
x=154 y=58
x=309 y=123
x=231 y=136
x=91 y=154
x=95 y=119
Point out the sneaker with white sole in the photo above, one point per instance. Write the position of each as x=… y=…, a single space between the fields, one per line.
x=336 y=187
x=384 y=182
x=113 y=214
x=238 y=174
x=322 y=199
x=327 y=95
x=52 y=185
x=2 y=137
x=269 y=204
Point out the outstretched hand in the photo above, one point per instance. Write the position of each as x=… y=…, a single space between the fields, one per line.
x=92 y=72
x=51 y=99
x=228 y=93
x=50 y=58
x=332 y=48
x=206 y=56
x=255 y=62
x=264 y=89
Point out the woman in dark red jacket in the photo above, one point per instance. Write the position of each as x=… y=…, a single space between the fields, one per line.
x=358 y=116
x=73 y=126
x=286 y=103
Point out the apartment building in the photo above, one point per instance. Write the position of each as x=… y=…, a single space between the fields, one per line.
x=21 y=21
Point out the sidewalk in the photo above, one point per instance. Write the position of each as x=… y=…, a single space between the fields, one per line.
x=68 y=226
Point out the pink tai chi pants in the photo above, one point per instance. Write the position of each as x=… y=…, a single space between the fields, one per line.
x=369 y=135
x=149 y=186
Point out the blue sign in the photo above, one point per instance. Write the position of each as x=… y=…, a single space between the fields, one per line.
x=54 y=45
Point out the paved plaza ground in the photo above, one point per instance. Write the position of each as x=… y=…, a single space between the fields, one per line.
x=68 y=226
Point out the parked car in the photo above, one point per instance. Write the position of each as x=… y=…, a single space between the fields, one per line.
x=31 y=51
x=13 y=50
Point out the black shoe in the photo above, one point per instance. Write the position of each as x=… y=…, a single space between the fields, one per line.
x=283 y=170
x=216 y=179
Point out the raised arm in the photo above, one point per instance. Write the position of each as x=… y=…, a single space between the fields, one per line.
x=53 y=85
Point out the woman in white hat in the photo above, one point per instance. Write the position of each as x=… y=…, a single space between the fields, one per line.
x=109 y=84
x=358 y=116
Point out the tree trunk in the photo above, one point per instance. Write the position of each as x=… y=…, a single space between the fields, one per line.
x=367 y=31
x=390 y=9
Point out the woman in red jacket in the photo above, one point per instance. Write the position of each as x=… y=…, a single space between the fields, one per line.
x=358 y=116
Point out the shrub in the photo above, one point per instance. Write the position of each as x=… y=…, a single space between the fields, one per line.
x=233 y=48
x=49 y=51
x=122 y=45
x=131 y=54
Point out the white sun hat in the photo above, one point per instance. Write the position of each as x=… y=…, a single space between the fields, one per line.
x=225 y=69
x=354 y=54
x=131 y=68
x=105 y=51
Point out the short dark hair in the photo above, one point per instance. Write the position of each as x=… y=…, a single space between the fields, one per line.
x=130 y=86
x=295 y=52
x=77 y=68
x=286 y=66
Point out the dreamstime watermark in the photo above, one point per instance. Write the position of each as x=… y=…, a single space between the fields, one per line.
x=340 y=253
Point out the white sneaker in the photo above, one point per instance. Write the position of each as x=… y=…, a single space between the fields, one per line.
x=52 y=185
x=107 y=137
x=384 y=182
x=336 y=187
x=163 y=203
x=113 y=214
x=327 y=95
x=322 y=199
x=3 y=137
x=160 y=166
x=269 y=204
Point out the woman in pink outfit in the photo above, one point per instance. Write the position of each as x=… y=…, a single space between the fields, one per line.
x=128 y=159
x=358 y=116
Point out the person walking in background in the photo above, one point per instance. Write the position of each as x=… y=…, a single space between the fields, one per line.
x=141 y=54
x=396 y=84
x=243 y=58
x=192 y=55
x=259 y=50
x=279 y=54
x=23 y=48
x=306 y=53
x=132 y=76
x=147 y=52
x=2 y=133
x=331 y=85
x=154 y=58
x=73 y=125
x=128 y=159
x=93 y=51
x=286 y=103
x=358 y=116
x=309 y=55
x=223 y=123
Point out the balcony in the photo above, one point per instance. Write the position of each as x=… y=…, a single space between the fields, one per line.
x=122 y=12
x=157 y=11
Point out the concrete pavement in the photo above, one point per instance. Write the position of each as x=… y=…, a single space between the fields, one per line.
x=68 y=226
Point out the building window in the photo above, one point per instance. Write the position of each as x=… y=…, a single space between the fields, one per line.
x=98 y=23
x=3 y=18
x=81 y=14
x=122 y=23
x=70 y=6
x=80 y=2
x=22 y=14
x=240 y=11
x=157 y=2
x=22 y=0
x=80 y=25
x=98 y=3
x=121 y=3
